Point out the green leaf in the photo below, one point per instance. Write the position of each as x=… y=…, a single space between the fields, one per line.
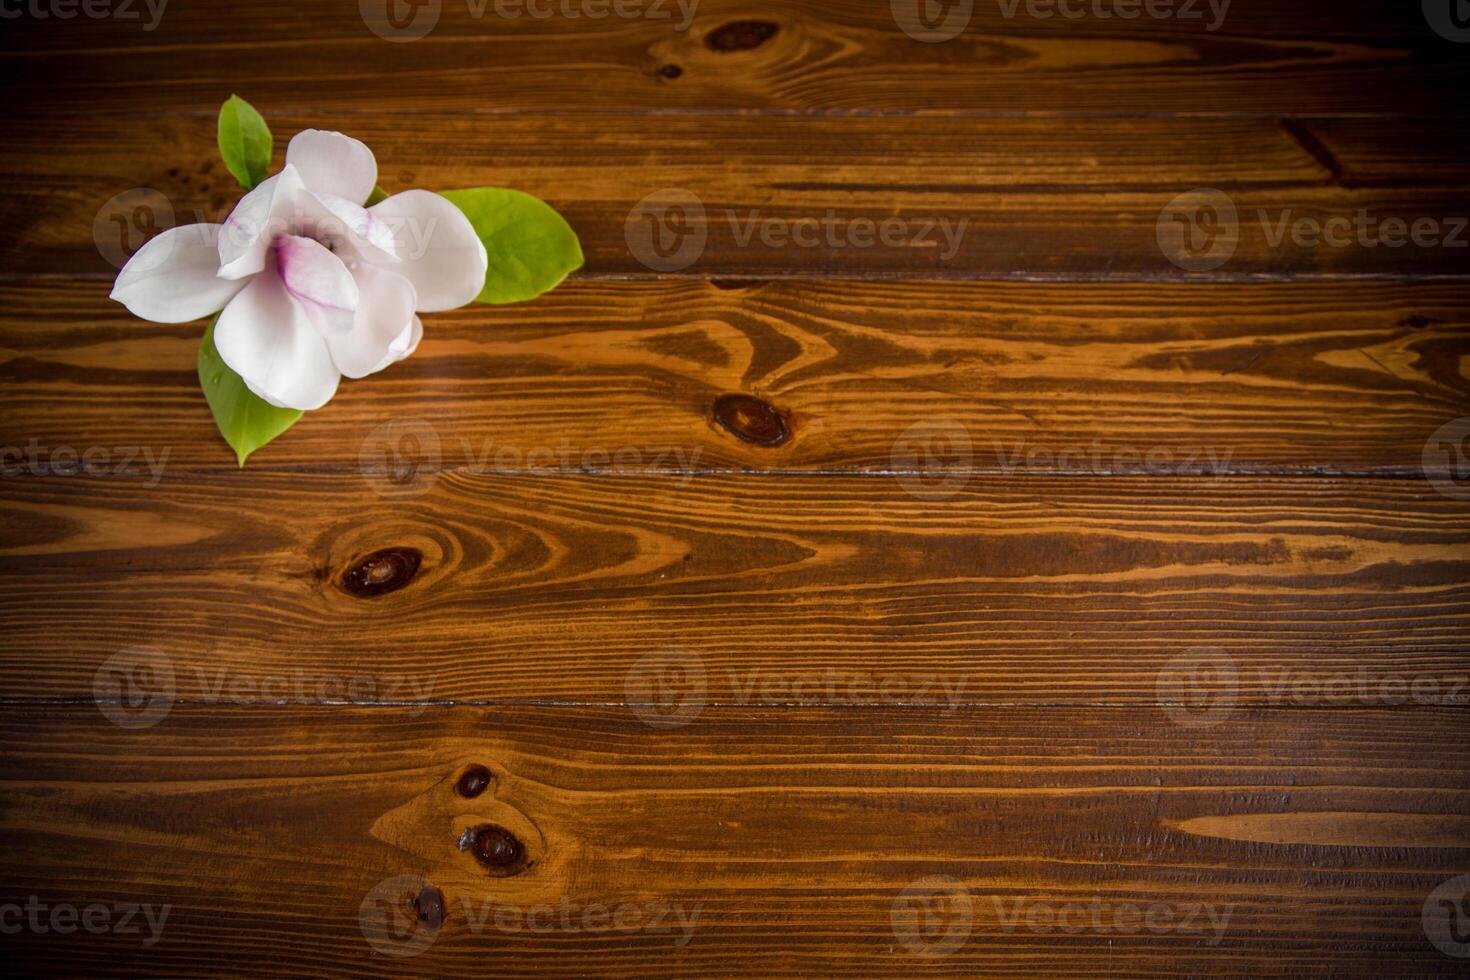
x=244 y=141
x=246 y=420
x=377 y=195
x=531 y=247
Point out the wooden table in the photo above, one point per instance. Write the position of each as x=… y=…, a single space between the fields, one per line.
x=932 y=534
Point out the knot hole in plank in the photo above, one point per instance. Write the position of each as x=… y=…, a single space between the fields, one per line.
x=382 y=572
x=740 y=35
x=498 y=850
x=752 y=420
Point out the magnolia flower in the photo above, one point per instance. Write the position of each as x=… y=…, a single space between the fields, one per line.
x=312 y=284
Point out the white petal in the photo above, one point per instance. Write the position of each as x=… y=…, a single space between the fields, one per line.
x=260 y=216
x=383 y=328
x=354 y=226
x=266 y=338
x=171 y=279
x=332 y=163
x=438 y=249
x=408 y=341
x=319 y=281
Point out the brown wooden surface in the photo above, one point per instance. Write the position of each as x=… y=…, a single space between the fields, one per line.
x=775 y=585
x=1075 y=377
x=1326 y=57
x=986 y=198
x=786 y=836
x=1014 y=589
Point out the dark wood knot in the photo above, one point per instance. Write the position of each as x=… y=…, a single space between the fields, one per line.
x=751 y=419
x=740 y=35
x=1416 y=322
x=472 y=782
x=500 y=851
x=428 y=906
x=382 y=572
x=670 y=72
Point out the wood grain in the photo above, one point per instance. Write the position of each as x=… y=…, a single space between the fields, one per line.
x=1310 y=56
x=874 y=377
x=1009 y=589
x=757 y=588
x=793 y=196
x=785 y=837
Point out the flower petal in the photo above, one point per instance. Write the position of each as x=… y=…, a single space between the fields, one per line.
x=319 y=281
x=265 y=336
x=355 y=227
x=408 y=341
x=261 y=215
x=333 y=163
x=383 y=327
x=171 y=279
x=438 y=249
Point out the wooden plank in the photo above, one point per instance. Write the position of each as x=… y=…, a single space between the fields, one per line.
x=1095 y=378
x=848 y=196
x=1312 y=56
x=1010 y=589
x=776 y=843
